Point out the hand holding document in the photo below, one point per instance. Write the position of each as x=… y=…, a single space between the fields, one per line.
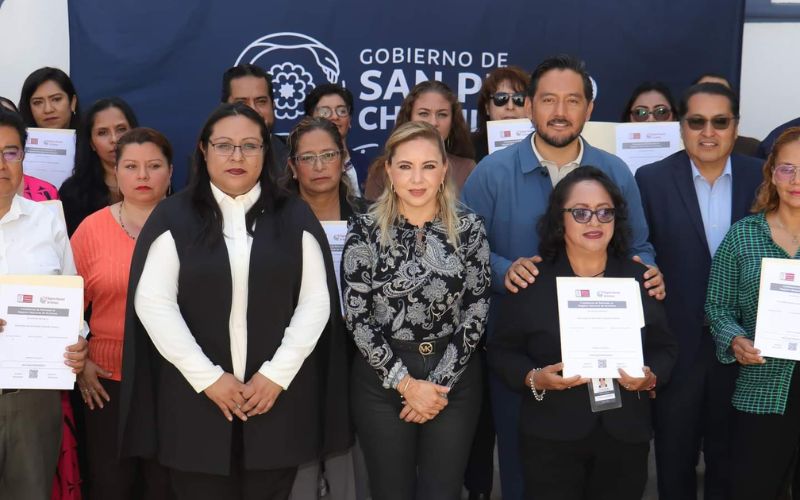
x=44 y=315
x=601 y=321
x=778 y=319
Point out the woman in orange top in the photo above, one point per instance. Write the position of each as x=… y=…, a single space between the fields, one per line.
x=103 y=247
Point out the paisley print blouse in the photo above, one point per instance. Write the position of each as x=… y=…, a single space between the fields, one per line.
x=418 y=288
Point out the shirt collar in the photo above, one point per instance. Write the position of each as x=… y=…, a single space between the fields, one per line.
x=576 y=161
x=248 y=199
x=18 y=208
x=725 y=172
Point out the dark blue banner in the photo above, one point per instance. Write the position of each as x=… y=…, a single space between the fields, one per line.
x=167 y=58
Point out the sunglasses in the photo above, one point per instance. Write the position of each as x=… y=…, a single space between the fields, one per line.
x=718 y=122
x=660 y=113
x=500 y=99
x=786 y=172
x=584 y=215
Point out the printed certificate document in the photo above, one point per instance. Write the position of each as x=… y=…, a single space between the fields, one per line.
x=50 y=154
x=641 y=143
x=336 y=231
x=44 y=315
x=503 y=133
x=601 y=321
x=778 y=319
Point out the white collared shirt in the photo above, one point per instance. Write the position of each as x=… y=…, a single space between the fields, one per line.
x=33 y=240
x=558 y=172
x=156 y=303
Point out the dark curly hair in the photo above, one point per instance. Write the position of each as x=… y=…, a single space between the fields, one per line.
x=551 y=224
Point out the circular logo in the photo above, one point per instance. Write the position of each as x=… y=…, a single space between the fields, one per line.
x=297 y=63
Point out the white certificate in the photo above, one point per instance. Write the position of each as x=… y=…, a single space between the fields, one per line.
x=50 y=154
x=503 y=133
x=44 y=315
x=336 y=231
x=641 y=143
x=778 y=320
x=601 y=321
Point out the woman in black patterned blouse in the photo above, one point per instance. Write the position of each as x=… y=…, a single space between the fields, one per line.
x=415 y=279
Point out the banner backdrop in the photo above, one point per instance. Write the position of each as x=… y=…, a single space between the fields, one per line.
x=167 y=58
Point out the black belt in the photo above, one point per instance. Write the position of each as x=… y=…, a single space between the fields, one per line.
x=4 y=392
x=426 y=348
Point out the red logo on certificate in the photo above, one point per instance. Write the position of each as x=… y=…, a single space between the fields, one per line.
x=582 y=293
x=506 y=133
x=787 y=276
x=25 y=298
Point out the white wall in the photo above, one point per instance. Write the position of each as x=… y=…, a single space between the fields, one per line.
x=33 y=33
x=770 y=88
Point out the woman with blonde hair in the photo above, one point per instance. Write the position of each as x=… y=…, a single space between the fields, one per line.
x=415 y=279
x=435 y=103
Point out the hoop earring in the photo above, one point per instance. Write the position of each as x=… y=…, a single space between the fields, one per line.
x=441 y=188
x=391 y=185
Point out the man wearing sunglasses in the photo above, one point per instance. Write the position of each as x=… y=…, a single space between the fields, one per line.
x=510 y=189
x=690 y=200
x=744 y=145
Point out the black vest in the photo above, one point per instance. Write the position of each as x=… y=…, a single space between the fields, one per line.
x=161 y=415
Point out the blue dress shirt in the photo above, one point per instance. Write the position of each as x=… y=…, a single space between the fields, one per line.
x=715 y=204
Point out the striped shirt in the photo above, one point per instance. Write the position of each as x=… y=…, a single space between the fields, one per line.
x=731 y=307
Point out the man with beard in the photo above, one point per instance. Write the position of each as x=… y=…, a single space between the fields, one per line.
x=510 y=189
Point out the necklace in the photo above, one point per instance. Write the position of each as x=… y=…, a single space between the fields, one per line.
x=122 y=223
x=795 y=237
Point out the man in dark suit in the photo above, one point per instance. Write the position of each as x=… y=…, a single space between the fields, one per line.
x=690 y=200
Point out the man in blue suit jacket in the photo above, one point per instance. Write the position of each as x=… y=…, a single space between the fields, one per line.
x=510 y=189
x=690 y=200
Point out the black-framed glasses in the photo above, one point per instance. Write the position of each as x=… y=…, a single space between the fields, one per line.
x=584 y=215
x=718 y=122
x=328 y=112
x=785 y=172
x=660 y=113
x=248 y=148
x=500 y=99
x=12 y=155
x=310 y=159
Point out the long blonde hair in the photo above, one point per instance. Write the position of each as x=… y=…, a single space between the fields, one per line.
x=386 y=211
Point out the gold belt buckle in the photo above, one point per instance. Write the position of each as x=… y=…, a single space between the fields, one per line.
x=426 y=348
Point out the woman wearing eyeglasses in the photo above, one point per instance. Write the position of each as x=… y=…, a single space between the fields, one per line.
x=502 y=97
x=435 y=103
x=650 y=102
x=231 y=298
x=767 y=394
x=315 y=159
x=335 y=103
x=569 y=452
x=415 y=286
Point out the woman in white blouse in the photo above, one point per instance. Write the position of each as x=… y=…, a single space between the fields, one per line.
x=233 y=284
x=33 y=240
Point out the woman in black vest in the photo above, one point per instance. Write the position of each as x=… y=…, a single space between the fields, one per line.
x=234 y=362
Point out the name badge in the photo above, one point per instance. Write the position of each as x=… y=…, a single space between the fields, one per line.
x=604 y=394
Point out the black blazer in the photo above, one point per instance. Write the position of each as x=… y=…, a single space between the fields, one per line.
x=527 y=336
x=160 y=413
x=677 y=234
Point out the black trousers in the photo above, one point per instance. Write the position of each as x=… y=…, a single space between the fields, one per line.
x=479 y=475
x=765 y=446
x=597 y=467
x=241 y=484
x=408 y=461
x=108 y=476
x=694 y=411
